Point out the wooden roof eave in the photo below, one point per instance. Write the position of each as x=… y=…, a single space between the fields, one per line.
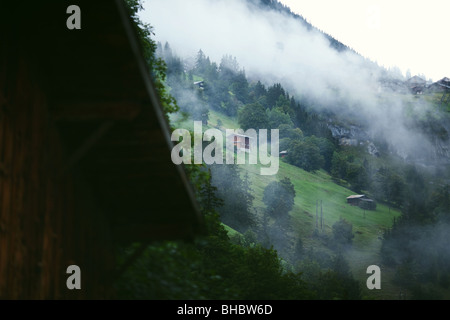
x=102 y=100
x=158 y=110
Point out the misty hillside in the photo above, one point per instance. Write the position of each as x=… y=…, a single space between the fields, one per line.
x=326 y=162
x=349 y=126
x=319 y=204
x=363 y=175
x=277 y=6
x=216 y=150
x=275 y=46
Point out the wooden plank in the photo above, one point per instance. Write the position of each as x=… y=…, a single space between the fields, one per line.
x=59 y=194
x=46 y=249
x=89 y=110
x=6 y=208
x=122 y=154
x=153 y=232
x=3 y=101
x=148 y=160
x=88 y=144
x=146 y=177
x=133 y=143
x=70 y=233
x=3 y=188
x=131 y=260
x=3 y=170
x=3 y=75
x=17 y=263
x=37 y=146
x=3 y=223
x=28 y=118
x=26 y=214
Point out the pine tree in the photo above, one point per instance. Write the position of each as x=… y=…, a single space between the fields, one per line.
x=200 y=62
x=208 y=198
x=259 y=90
x=279 y=198
x=237 y=210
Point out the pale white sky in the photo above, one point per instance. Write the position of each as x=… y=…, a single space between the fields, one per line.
x=410 y=34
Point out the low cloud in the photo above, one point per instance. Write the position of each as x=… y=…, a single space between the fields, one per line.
x=275 y=47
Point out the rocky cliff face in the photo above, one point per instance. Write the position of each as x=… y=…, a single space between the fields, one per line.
x=348 y=132
x=353 y=135
x=442 y=149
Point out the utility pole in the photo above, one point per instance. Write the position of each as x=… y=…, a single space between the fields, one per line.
x=321 y=216
x=317 y=217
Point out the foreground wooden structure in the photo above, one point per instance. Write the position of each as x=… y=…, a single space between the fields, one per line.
x=84 y=151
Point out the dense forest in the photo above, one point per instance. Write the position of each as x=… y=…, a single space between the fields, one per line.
x=254 y=265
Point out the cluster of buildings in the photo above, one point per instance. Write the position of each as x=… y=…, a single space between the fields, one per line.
x=417 y=85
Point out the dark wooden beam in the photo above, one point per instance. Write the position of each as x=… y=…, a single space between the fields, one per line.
x=90 y=110
x=88 y=144
x=131 y=260
x=2 y=99
x=132 y=160
x=153 y=232
x=3 y=170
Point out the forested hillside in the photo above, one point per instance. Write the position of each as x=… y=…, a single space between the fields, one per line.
x=213 y=267
x=292 y=235
x=381 y=175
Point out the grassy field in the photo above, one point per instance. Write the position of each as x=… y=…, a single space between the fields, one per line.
x=368 y=226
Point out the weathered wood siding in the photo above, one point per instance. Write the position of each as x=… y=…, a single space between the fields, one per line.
x=47 y=219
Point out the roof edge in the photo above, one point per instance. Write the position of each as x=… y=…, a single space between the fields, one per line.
x=156 y=104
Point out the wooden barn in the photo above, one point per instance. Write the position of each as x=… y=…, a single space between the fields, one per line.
x=442 y=85
x=362 y=201
x=243 y=143
x=84 y=151
x=416 y=85
x=200 y=84
x=415 y=82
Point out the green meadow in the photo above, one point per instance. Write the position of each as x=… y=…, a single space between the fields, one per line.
x=319 y=187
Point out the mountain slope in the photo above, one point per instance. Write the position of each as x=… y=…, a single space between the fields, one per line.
x=368 y=226
x=278 y=6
